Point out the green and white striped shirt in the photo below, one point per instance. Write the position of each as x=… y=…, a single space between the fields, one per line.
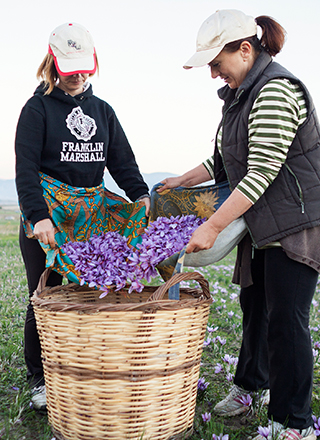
x=274 y=119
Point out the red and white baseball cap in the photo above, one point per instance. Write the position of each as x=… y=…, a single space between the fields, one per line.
x=221 y=28
x=73 y=49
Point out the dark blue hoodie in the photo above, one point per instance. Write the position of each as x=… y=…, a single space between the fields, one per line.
x=71 y=139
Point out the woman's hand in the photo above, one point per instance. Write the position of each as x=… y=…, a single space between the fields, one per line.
x=193 y=177
x=206 y=234
x=147 y=203
x=202 y=238
x=44 y=232
x=169 y=183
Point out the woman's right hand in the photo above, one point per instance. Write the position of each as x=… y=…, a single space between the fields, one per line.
x=44 y=232
x=169 y=183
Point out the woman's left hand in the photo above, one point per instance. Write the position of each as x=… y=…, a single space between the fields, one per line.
x=147 y=203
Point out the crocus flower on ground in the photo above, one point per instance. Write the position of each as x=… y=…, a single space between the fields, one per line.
x=264 y=431
x=206 y=417
x=245 y=400
x=218 y=368
x=220 y=437
x=202 y=384
x=316 y=424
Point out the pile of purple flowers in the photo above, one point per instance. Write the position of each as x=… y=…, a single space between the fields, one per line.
x=102 y=261
x=107 y=260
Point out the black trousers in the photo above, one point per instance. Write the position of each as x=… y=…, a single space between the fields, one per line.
x=34 y=260
x=276 y=350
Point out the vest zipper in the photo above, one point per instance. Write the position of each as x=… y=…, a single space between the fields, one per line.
x=222 y=124
x=298 y=185
x=254 y=245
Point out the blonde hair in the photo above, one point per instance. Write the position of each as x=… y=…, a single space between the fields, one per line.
x=47 y=72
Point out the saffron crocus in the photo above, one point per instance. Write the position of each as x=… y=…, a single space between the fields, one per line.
x=211 y=329
x=315 y=353
x=264 y=431
x=207 y=341
x=245 y=400
x=206 y=417
x=202 y=384
x=231 y=360
x=221 y=340
x=218 y=368
x=316 y=424
x=106 y=260
x=220 y=437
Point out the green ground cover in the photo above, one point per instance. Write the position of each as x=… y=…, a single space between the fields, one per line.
x=18 y=421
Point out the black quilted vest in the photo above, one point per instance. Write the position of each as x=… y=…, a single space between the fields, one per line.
x=292 y=202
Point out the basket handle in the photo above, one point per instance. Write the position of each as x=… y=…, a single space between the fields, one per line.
x=177 y=278
x=42 y=281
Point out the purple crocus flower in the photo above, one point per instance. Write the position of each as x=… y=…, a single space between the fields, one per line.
x=264 y=431
x=206 y=417
x=245 y=400
x=231 y=360
x=207 y=341
x=211 y=329
x=315 y=353
x=107 y=261
x=221 y=340
x=218 y=368
x=316 y=424
x=202 y=384
x=220 y=437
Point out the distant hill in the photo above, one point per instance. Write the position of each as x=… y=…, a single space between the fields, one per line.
x=8 y=194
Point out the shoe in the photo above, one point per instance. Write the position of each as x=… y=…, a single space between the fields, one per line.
x=232 y=404
x=38 y=398
x=278 y=432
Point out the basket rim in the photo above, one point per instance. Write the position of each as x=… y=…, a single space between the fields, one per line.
x=196 y=297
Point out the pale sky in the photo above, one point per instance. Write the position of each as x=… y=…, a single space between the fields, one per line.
x=169 y=114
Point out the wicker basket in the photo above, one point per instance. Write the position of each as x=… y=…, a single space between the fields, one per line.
x=125 y=366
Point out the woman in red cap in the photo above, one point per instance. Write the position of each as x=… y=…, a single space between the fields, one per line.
x=70 y=135
x=268 y=148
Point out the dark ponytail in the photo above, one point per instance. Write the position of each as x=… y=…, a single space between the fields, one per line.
x=273 y=34
x=272 y=39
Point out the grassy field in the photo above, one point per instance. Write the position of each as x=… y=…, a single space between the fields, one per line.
x=19 y=422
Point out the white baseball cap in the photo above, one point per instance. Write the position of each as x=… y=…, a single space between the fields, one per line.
x=221 y=28
x=73 y=49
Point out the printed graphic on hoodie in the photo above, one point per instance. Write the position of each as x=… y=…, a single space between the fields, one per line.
x=83 y=128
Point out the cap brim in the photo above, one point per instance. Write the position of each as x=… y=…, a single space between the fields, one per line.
x=203 y=57
x=73 y=66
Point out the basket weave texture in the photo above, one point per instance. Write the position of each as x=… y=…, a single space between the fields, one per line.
x=125 y=366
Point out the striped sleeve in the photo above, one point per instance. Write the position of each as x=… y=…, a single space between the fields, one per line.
x=274 y=119
x=209 y=166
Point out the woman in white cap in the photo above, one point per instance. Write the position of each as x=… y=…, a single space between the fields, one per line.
x=268 y=148
x=67 y=133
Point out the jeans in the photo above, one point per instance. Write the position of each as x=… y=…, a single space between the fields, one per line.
x=34 y=260
x=276 y=351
